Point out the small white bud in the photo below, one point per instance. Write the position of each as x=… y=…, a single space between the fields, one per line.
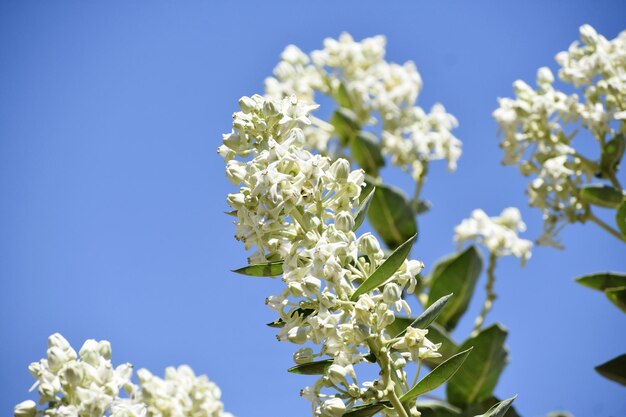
x=297 y=335
x=333 y=408
x=344 y=221
x=391 y=293
x=340 y=169
x=26 y=408
x=304 y=355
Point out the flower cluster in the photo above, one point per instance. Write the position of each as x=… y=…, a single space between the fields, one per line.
x=498 y=234
x=539 y=125
x=87 y=385
x=356 y=75
x=298 y=209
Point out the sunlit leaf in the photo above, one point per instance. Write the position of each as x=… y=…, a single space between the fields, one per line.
x=603 y=280
x=391 y=215
x=601 y=195
x=361 y=214
x=617 y=296
x=270 y=269
x=367 y=153
x=312 y=368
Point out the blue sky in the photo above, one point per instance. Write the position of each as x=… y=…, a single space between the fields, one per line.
x=113 y=195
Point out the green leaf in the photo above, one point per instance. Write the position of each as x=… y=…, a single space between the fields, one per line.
x=612 y=153
x=603 y=280
x=270 y=269
x=346 y=124
x=500 y=409
x=437 y=376
x=421 y=322
x=488 y=404
x=615 y=369
x=366 y=152
x=312 y=368
x=617 y=296
x=302 y=312
x=343 y=97
x=385 y=270
x=390 y=214
x=436 y=408
x=231 y=213
x=620 y=218
x=477 y=379
x=361 y=213
x=601 y=195
x=367 y=410
x=456 y=274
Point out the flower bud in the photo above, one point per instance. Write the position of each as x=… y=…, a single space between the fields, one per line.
x=337 y=374
x=56 y=358
x=368 y=244
x=297 y=335
x=344 y=221
x=333 y=408
x=304 y=355
x=340 y=169
x=26 y=408
x=58 y=341
x=246 y=104
x=104 y=348
x=269 y=108
x=392 y=293
x=73 y=374
x=544 y=76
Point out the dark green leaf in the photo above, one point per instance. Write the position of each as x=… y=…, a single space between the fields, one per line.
x=421 y=322
x=421 y=207
x=385 y=270
x=603 y=280
x=477 y=379
x=437 y=376
x=617 y=296
x=342 y=97
x=366 y=152
x=231 y=213
x=500 y=409
x=303 y=312
x=612 y=153
x=615 y=369
x=488 y=404
x=390 y=214
x=620 y=218
x=312 y=368
x=367 y=410
x=270 y=269
x=435 y=408
x=601 y=195
x=361 y=214
x=346 y=124
x=456 y=274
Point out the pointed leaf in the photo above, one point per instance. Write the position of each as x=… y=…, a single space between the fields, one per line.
x=488 y=404
x=385 y=270
x=361 y=214
x=400 y=324
x=615 y=369
x=391 y=215
x=620 y=218
x=270 y=269
x=303 y=312
x=612 y=153
x=437 y=376
x=345 y=123
x=603 y=280
x=601 y=195
x=617 y=296
x=367 y=153
x=500 y=409
x=231 y=213
x=456 y=274
x=477 y=379
x=343 y=97
x=367 y=410
x=436 y=408
x=312 y=368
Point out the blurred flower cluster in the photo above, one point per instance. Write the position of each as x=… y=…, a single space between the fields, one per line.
x=498 y=234
x=371 y=92
x=298 y=209
x=539 y=126
x=87 y=385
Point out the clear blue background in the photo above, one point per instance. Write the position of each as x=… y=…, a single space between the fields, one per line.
x=112 y=193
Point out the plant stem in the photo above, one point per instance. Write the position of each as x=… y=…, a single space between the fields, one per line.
x=605 y=226
x=614 y=180
x=420 y=183
x=383 y=359
x=491 y=295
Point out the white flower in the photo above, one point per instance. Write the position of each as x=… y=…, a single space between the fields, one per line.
x=498 y=234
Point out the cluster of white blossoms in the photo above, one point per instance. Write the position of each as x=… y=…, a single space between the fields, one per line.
x=87 y=385
x=498 y=234
x=356 y=75
x=298 y=209
x=540 y=125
